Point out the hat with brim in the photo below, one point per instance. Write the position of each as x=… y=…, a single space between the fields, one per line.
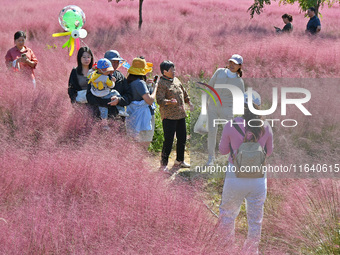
x=237 y=59
x=105 y=65
x=113 y=55
x=140 y=67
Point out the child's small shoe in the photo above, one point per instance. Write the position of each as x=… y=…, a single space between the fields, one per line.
x=105 y=125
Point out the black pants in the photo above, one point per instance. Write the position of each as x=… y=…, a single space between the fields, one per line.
x=170 y=127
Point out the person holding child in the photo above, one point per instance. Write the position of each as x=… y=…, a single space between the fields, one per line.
x=102 y=84
x=251 y=188
x=20 y=58
x=141 y=123
x=171 y=97
x=121 y=86
x=231 y=75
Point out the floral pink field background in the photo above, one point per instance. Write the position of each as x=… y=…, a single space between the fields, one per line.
x=65 y=188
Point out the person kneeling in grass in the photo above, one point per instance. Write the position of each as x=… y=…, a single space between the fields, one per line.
x=171 y=97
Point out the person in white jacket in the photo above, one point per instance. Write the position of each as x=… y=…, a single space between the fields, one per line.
x=230 y=75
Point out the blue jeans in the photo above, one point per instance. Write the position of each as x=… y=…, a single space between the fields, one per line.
x=104 y=111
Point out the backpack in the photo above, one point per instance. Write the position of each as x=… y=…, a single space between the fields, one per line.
x=249 y=159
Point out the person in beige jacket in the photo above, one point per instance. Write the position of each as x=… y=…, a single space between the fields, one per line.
x=171 y=97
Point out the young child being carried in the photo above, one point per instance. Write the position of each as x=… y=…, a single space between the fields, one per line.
x=102 y=84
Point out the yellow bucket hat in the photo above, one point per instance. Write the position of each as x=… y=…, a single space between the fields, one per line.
x=140 y=67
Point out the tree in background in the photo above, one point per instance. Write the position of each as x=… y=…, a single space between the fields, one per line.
x=258 y=5
x=140 y=12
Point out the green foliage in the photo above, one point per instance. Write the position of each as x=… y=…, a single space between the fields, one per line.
x=49 y=47
x=258 y=5
x=201 y=74
x=158 y=137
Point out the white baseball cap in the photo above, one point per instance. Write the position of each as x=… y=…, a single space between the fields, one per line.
x=237 y=59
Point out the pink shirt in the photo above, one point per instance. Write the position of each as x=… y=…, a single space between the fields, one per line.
x=14 y=53
x=231 y=136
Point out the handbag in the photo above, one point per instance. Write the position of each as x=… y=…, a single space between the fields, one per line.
x=81 y=97
x=201 y=125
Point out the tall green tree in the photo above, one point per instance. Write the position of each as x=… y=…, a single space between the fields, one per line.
x=258 y=5
x=140 y=12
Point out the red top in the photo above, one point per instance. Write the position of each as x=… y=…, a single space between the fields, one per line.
x=14 y=53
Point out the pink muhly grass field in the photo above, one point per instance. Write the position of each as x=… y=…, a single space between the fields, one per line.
x=305 y=217
x=89 y=193
x=68 y=189
x=74 y=202
x=198 y=36
x=92 y=201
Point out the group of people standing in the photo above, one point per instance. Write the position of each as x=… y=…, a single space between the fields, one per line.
x=103 y=89
x=131 y=100
x=108 y=94
x=313 y=26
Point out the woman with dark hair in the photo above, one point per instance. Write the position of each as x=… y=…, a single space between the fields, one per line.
x=237 y=187
x=287 y=19
x=141 y=123
x=21 y=58
x=231 y=75
x=78 y=81
x=171 y=97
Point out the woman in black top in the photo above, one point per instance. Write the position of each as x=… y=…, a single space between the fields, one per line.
x=287 y=19
x=78 y=81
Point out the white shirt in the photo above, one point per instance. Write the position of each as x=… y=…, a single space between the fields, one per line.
x=230 y=74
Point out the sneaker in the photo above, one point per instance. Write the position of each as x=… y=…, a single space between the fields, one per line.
x=123 y=113
x=164 y=169
x=181 y=164
x=211 y=160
